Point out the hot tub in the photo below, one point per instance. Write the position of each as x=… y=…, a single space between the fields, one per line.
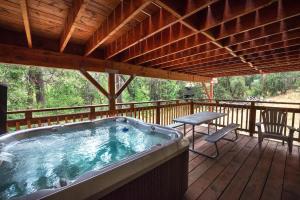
x=104 y=159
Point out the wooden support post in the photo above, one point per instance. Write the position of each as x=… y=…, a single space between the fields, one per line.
x=28 y=118
x=192 y=107
x=211 y=94
x=211 y=91
x=158 y=112
x=252 y=119
x=132 y=109
x=3 y=108
x=92 y=113
x=112 y=92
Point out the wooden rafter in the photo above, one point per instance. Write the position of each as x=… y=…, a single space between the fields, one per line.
x=148 y=27
x=263 y=69
x=124 y=86
x=212 y=57
x=261 y=32
x=190 y=55
x=94 y=82
x=169 y=35
x=261 y=43
x=120 y=16
x=267 y=40
x=36 y=57
x=227 y=68
x=191 y=42
x=75 y=12
x=25 y=15
x=151 y=27
x=235 y=60
x=262 y=17
x=273 y=46
x=236 y=10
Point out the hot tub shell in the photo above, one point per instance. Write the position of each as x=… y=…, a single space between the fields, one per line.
x=158 y=173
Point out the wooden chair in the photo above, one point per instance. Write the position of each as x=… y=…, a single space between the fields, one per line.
x=273 y=125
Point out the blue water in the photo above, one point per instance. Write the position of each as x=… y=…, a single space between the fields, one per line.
x=54 y=160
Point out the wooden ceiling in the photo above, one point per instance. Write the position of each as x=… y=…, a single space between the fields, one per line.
x=199 y=38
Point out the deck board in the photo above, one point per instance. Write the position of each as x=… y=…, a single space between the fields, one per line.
x=244 y=171
x=291 y=185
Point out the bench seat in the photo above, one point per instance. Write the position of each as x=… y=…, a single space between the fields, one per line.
x=175 y=125
x=218 y=135
x=215 y=137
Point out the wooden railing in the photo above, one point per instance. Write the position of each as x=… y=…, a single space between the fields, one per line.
x=245 y=113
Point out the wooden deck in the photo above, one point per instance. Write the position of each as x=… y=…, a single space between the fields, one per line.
x=243 y=171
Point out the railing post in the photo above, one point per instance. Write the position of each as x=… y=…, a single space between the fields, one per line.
x=92 y=113
x=3 y=109
x=252 y=119
x=192 y=107
x=28 y=118
x=158 y=112
x=132 y=109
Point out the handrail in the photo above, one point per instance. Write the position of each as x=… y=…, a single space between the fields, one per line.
x=142 y=102
x=159 y=112
x=248 y=101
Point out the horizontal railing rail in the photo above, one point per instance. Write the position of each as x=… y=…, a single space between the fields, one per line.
x=245 y=113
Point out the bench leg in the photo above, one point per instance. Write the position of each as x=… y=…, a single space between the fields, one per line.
x=235 y=138
x=206 y=155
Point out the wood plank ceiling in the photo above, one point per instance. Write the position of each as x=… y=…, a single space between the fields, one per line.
x=208 y=38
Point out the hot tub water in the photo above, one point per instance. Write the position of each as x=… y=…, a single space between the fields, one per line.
x=58 y=158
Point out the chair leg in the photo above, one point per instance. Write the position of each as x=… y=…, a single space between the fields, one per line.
x=290 y=146
x=206 y=155
x=260 y=139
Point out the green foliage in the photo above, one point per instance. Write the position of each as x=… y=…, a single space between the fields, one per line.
x=256 y=85
x=62 y=88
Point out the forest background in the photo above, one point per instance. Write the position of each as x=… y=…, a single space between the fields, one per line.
x=31 y=87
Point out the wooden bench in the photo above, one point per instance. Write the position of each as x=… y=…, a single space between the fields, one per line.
x=220 y=134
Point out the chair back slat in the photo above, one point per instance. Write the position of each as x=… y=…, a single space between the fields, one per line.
x=274 y=121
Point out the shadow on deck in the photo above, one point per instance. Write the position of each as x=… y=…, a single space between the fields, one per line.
x=243 y=171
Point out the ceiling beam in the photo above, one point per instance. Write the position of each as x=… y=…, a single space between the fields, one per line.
x=169 y=35
x=291 y=41
x=274 y=63
x=94 y=82
x=231 y=60
x=211 y=56
x=191 y=54
x=281 y=66
x=276 y=12
x=26 y=21
x=121 y=15
x=37 y=57
x=152 y=26
x=283 y=36
x=182 y=45
x=148 y=27
x=272 y=46
x=215 y=69
x=74 y=13
x=208 y=20
x=265 y=31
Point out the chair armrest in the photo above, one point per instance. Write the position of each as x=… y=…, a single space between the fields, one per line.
x=292 y=128
x=258 y=124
